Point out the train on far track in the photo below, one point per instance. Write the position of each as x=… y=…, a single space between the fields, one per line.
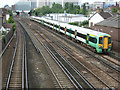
x=99 y=41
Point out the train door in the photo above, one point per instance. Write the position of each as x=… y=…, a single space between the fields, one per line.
x=87 y=38
x=59 y=27
x=105 y=42
x=75 y=33
x=42 y=21
x=53 y=26
x=65 y=30
x=56 y=27
x=70 y=32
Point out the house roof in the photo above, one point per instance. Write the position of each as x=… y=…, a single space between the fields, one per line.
x=4 y=11
x=0 y=11
x=111 y=22
x=2 y=29
x=105 y=15
x=0 y=15
x=8 y=25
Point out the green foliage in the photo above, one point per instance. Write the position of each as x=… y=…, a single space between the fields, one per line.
x=84 y=10
x=73 y=9
x=57 y=8
x=84 y=23
x=4 y=32
x=75 y=23
x=114 y=10
x=10 y=12
x=14 y=26
x=10 y=20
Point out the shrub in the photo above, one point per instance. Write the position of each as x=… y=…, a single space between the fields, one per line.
x=14 y=26
x=10 y=20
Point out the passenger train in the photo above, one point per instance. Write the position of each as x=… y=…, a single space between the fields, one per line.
x=99 y=41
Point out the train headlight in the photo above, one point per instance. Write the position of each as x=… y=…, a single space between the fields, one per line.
x=100 y=46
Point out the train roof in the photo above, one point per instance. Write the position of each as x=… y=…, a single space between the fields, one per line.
x=79 y=29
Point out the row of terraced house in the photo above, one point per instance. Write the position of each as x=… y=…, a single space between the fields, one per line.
x=6 y=29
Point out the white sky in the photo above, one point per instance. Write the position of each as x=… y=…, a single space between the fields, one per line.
x=11 y=2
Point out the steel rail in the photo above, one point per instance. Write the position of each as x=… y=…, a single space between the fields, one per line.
x=26 y=74
x=63 y=48
x=91 y=54
x=59 y=45
x=68 y=70
x=24 y=64
x=13 y=59
x=39 y=51
x=54 y=57
x=82 y=65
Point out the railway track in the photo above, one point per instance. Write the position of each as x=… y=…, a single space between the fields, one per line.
x=78 y=79
x=76 y=62
x=17 y=78
x=113 y=77
x=61 y=79
x=98 y=57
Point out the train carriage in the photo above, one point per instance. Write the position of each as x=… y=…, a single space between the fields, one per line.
x=100 y=41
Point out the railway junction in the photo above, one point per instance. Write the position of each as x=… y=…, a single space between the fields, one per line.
x=38 y=57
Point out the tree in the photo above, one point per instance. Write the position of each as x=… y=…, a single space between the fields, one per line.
x=114 y=10
x=10 y=20
x=84 y=9
x=10 y=12
x=14 y=26
x=56 y=8
x=66 y=5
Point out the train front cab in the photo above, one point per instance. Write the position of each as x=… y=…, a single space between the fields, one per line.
x=104 y=44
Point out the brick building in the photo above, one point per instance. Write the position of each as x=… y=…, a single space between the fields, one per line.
x=112 y=27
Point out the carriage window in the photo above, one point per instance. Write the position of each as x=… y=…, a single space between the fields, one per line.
x=62 y=28
x=72 y=32
x=81 y=35
x=94 y=40
x=109 y=40
x=100 y=40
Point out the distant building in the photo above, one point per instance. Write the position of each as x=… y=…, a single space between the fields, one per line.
x=23 y=6
x=118 y=4
x=62 y=2
x=13 y=7
x=41 y=3
x=68 y=18
x=98 y=17
x=97 y=4
x=87 y=5
x=33 y=4
x=111 y=26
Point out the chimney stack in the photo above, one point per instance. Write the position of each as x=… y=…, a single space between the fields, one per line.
x=98 y=10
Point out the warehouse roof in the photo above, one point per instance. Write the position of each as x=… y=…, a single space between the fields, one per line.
x=111 y=22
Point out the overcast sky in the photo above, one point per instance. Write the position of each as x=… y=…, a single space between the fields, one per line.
x=11 y=2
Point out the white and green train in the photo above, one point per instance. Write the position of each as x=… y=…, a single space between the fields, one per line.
x=100 y=41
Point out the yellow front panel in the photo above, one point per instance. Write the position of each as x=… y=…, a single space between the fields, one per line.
x=105 y=43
